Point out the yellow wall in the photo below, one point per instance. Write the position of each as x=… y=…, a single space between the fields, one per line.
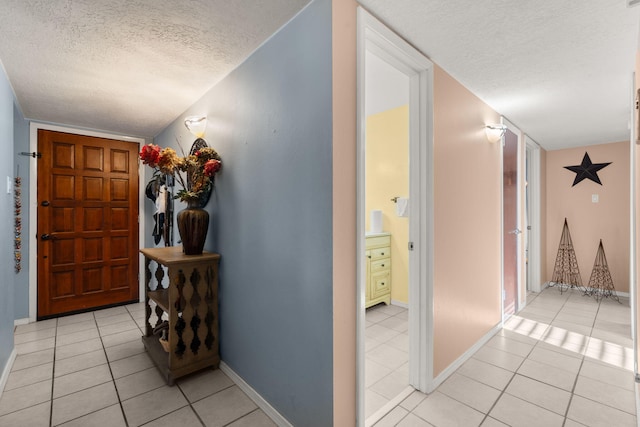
x=589 y=222
x=387 y=176
x=467 y=226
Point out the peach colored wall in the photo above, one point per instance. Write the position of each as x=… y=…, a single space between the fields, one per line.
x=344 y=212
x=387 y=176
x=467 y=209
x=589 y=222
x=637 y=205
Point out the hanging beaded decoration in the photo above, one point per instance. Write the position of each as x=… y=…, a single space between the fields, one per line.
x=17 y=193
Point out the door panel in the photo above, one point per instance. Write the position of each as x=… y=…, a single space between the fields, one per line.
x=87 y=222
x=510 y=219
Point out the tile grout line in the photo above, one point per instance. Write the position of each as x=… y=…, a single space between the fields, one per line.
x=110 y=371
x=503 y=391
x=53 y=373
x=113 y=380
x=575 y=382
x=378 y=309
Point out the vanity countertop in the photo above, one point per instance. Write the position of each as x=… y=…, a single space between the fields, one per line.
x=372 y=234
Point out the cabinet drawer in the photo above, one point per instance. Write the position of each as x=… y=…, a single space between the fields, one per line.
x=379 y=253
x=381 y=284
x=380 y=265
x=376 y=242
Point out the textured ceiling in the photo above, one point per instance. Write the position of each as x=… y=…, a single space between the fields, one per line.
x=559 y=70
x=129 y=66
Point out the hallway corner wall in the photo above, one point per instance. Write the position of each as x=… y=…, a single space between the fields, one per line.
x=22 y=165
x=6 y=218
x=343 y=157
x=467 y=200
x=271 y=215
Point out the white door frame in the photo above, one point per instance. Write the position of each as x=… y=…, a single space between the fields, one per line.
x=519 y=240
x=33 y=206
x=533 y=187
x=633 y=264
x=377 y=38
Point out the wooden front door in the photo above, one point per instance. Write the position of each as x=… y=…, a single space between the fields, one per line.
x=87 y=222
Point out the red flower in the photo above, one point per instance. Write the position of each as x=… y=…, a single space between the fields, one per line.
x=211 y=167
x=150 y=155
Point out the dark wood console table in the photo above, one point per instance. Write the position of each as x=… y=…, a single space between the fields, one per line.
x=189 y=302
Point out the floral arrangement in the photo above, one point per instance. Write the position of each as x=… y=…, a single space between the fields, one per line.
x=199 y=169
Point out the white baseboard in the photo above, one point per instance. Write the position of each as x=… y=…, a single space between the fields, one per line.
x=400 y=304
x=269 y=410
x=388 y=407
x=465 y=356
x=19 y=322
x=618 y=293
x=7 y=370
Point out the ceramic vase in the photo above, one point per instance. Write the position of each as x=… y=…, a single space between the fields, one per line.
x=193 y=223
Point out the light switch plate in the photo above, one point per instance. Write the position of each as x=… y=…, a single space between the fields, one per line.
x=8 y=185
x=595 y=198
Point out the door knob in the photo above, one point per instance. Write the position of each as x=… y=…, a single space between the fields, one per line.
x=47 y=237
x=515 y=231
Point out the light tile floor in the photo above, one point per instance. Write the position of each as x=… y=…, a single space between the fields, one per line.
x=564 y=360
x=91 y=369
x=386 y=355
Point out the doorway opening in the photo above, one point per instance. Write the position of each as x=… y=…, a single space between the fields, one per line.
x=511 y=224
x=533 y=206
x=386 y=232
x=407 y=202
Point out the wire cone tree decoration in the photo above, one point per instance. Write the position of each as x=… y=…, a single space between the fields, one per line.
x=566 y=273
x=600 y=283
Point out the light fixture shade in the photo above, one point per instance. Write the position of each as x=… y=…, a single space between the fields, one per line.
x=196 y=125
x=494 y=132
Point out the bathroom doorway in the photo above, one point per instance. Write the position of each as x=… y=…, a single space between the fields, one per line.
x=395 y=220
x=386 y=232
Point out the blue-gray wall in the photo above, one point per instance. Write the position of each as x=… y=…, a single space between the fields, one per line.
x=22 y=164
x=6 y=220
x=270 y=120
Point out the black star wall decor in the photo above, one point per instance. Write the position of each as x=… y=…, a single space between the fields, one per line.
x=587 y=170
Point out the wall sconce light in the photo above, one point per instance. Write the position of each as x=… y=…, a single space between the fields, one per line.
x=196 y=125
x=495 y=132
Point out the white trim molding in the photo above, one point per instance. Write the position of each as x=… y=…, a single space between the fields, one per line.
x=373 y=36
x=269 y=410
x=388 y=407
x=466 y=355
x=534 y=221
x=7 y=370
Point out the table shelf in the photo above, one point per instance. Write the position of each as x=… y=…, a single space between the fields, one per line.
x=189 y=304
x=160 y=297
